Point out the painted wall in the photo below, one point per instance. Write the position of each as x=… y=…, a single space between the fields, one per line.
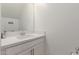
x=0 y=18
x=7 y=24
x=21 y=11
x=61 y=23
x=12 y=10
x=27 y=18
x=0 y=28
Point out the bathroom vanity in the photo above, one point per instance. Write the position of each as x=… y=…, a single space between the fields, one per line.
x=17 y=18
x=34 y=44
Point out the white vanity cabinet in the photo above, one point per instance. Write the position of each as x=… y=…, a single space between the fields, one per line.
x=27 y=52
x=33 y=47
x=39 y=49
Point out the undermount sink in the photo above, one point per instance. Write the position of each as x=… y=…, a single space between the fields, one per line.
x=24 y=36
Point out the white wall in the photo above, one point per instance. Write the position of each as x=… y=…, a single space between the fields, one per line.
x=0 y=28
x=61 y=23
x=21 y=11
x=9 y=27
x=0 y=17
x=12 y=10
x=27 y=18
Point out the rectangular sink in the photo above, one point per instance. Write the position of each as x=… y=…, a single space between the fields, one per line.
x=25 y=36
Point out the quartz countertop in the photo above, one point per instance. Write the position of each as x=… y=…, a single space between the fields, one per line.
x=16 y=40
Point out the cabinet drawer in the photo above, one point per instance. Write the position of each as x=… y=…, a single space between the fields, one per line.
x=17 y=49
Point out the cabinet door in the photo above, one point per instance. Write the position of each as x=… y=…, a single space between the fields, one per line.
x=27 y=52
x=39 y=49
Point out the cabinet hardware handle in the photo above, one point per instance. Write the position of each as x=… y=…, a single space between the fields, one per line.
x=32 y=51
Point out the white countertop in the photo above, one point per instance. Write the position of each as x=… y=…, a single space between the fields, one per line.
x=14 y=40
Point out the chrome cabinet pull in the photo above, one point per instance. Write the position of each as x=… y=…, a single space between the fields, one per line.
x=32 y=51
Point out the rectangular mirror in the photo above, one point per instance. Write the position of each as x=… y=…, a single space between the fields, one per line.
x=17 y=17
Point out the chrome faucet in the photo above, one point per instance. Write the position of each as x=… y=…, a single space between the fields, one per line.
x=3 y=34
x=77 y=50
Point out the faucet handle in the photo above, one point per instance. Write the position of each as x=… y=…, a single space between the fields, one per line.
x=77 y=49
